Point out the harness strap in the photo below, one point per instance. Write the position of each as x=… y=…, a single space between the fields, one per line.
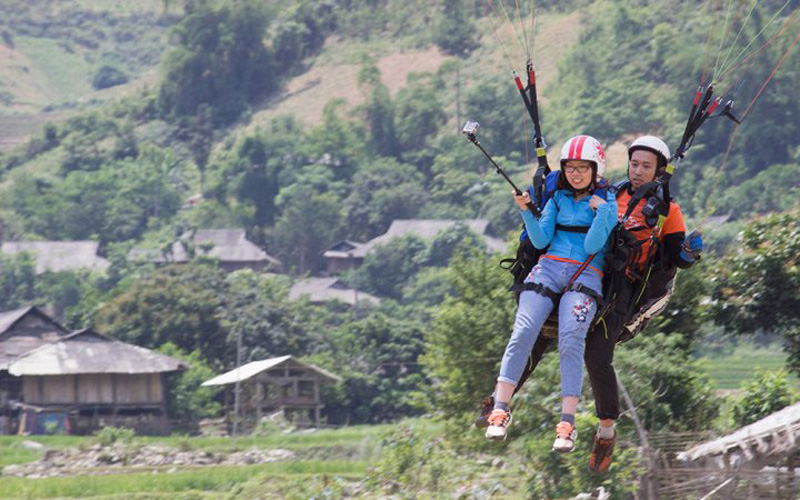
x=538 y=288
x=572 y=229
x=581 y=288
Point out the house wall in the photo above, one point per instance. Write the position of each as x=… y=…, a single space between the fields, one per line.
x=337 y=266
x=93 y=389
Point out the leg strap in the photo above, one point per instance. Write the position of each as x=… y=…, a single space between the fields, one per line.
x=538 y=288
x=581 y=288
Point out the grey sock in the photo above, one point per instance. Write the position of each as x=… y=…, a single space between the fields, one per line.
x=566 y=417
x=605 y=432
x=499 y=405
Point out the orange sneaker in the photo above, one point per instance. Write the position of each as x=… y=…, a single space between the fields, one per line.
x=566 y=434
x=600 y=458
x=499 y=420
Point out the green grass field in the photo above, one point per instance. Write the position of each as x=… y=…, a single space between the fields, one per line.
x=208 y=479
x=323 y=457
x=729 y=371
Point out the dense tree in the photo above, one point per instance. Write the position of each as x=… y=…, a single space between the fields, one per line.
x=220 y=61
x=178 y=304
x=389 y=267
x=766 y=393
x=757 y=288
x=377 y=357
x=455 y=30
x=187 y=399
x=383 y=190
x=379 y=112
x=308 y=224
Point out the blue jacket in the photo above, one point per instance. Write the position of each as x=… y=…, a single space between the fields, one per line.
x=564 y=210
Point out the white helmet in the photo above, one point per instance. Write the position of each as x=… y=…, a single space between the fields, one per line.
x=654 y=145
x=587 y=148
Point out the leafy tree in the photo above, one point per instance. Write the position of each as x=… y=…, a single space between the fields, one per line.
x=446 y=244
x=758 y=287
x=220 y=61
x=258 y=308
x=377 y=357
x=764 y=394
x=338 y=141
x=383 y=190
x=496 y=105
x=187 y=400
x=179 y=303
x=308 y=223
x=17 y=280
x=388 y=268
x=468 y=335
x=419 y=114
x=379 y=112
x=454 y=29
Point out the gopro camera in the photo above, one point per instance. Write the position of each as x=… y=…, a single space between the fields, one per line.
x=470 y=128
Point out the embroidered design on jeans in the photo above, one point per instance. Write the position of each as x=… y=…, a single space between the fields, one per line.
x=536 y=270
x=581 y=310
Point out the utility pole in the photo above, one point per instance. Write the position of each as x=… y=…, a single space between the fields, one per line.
x=236 y=396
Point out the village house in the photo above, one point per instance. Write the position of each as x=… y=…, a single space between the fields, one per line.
x=277 y=384
x=230 y=246
x=346 y=254
x=77 y=381
x=55 y=256
x=320 y=290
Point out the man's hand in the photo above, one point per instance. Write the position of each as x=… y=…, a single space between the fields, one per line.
x=692 y=246
x=522 y=200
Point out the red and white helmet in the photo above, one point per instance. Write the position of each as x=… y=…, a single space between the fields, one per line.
x=587 y=148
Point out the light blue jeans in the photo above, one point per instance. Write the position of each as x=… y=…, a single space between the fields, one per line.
x=575 y=313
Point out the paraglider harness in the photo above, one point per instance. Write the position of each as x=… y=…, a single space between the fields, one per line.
x=639 y=293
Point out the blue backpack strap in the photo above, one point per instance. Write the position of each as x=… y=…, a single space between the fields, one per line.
x=619 y=186
x=601 y=189
x=551 y=184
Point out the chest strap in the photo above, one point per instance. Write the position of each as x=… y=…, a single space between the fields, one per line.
x=572 y=229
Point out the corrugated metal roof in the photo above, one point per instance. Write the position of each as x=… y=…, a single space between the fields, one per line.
x=255 y=367
x=59 y=255
x=86 y=351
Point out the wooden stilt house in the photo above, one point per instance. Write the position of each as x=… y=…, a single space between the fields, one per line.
x=282 y=383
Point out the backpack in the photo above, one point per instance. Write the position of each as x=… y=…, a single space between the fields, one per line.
x=651 y=290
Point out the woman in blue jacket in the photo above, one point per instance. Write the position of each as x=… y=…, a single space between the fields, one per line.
x=574 y=227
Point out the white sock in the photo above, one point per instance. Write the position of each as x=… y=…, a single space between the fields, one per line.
x=606 y=432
